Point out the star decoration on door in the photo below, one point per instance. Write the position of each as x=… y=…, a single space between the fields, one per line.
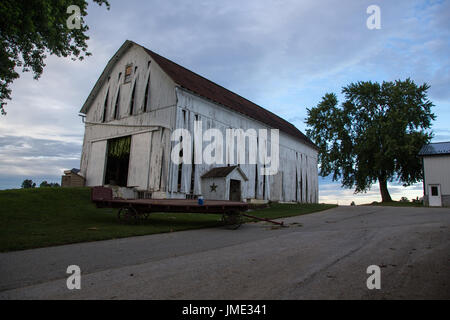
x=213 y=187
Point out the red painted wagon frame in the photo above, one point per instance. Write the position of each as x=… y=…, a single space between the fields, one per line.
x=134 y=210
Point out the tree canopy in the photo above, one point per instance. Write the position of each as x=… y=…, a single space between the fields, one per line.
x=374 y=135
x=28 y=184
x=45 y=184
x=31 y=29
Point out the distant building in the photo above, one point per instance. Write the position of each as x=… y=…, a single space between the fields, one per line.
x=436 y=168
x=72 y=178
x=141 y=98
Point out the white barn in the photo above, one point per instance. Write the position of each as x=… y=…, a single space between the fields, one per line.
x=138 y=102
x=436 y=174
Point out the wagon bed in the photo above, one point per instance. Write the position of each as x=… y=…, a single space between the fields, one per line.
x=176 y=205
x=133 y=210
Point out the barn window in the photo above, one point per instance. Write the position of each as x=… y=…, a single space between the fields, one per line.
x=128 y=73
x=117 y=105
x=264 y=182
x=132 y=100
x=147 y=88
x=301 y=187
x=256 y=181
x=192 y=169
x=193 y=166
x=105 y=107
x=161 y=170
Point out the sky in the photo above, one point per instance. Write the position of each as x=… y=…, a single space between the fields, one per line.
x=282 y=55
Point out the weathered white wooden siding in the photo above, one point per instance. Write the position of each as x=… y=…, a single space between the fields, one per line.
x=222 y=190
x=295 y=156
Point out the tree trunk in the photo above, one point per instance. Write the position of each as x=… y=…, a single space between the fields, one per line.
x=385 y=196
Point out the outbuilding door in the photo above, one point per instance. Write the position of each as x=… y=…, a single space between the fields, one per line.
x=235 y=190
x=434 y=195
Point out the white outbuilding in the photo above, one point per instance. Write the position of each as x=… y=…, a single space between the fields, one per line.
x=436 y=169
x=224 y=183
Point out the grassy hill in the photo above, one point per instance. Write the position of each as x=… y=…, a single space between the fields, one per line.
x=40 y=217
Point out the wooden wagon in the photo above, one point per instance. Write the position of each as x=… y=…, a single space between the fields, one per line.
x=135 y=210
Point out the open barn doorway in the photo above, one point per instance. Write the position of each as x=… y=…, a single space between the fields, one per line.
x=235 y=190
x=118 y=160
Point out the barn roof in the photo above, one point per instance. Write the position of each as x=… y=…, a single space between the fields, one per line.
x=214 y=92
x=222 y=172
x=432 y=149
x=206 y=88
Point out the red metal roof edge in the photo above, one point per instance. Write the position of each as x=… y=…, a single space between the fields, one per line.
x=212 y=91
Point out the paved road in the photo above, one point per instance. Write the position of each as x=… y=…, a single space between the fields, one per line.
x=319 y=256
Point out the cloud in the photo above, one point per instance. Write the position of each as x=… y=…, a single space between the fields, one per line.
x=441 y=135
x=26 y=157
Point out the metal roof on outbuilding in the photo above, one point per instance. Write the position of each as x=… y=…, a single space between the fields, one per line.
x=220 y=172
x=433 y=149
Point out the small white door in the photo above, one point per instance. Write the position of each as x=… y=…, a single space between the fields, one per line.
x=434 y=195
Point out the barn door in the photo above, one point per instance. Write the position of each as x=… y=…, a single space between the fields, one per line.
x=96 y=164
x=118 y=159
x=235 y=190
x=139 y=166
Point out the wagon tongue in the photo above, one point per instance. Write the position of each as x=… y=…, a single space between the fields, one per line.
x=264 y=219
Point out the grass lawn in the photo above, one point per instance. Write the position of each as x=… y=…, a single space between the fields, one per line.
x=32 y=218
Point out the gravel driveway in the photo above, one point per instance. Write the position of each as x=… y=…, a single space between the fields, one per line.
x=318 y=256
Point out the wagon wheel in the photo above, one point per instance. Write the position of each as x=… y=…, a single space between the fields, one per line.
x=232 y=220
x=128 y=215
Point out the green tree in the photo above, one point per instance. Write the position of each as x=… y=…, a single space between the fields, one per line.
x=31 y=29
x=27 y=184
x=45 y=184
x=374 y=135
